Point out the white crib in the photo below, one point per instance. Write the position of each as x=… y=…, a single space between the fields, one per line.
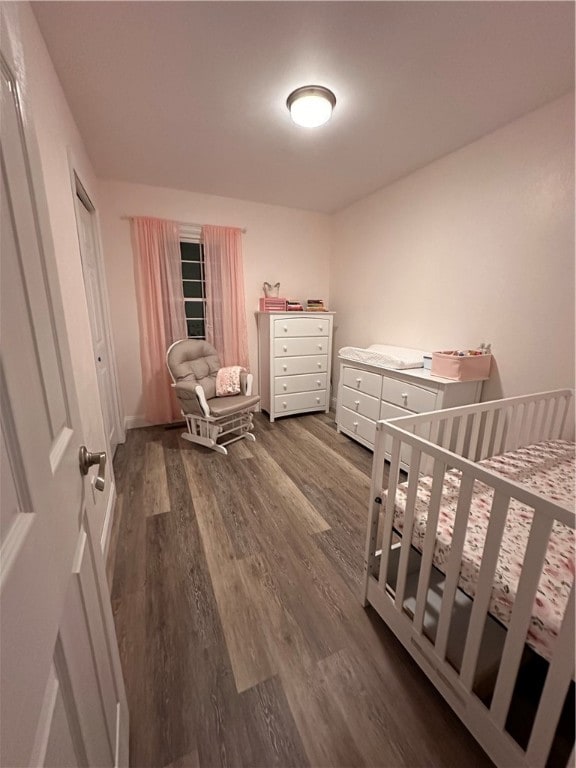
x=474 y=647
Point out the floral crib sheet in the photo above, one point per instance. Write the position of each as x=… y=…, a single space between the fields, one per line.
x=545 y=468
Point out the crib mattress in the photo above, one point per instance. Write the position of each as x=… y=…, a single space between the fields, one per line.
x=548 y=469
x=384 y=356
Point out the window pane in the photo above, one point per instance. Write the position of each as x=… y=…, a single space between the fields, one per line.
x=193 y=290
x=191 y=251
x=196 y=328
x=191 y=270
x=194 y=309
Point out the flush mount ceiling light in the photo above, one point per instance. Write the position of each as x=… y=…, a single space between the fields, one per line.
x=311 y=105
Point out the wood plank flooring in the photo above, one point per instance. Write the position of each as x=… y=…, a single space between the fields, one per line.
x=235 y=588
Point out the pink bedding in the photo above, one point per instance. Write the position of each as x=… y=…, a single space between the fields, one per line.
x=548 y=469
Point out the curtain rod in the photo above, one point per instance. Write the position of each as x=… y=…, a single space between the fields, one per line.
x=181 y=223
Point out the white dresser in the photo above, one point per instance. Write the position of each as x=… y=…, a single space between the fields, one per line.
x=367 y=393
x=294 y=360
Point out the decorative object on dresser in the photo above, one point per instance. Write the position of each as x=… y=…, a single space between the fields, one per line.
x=369 y=391
x=271 y=291
x=294 y=356
x=315 y=305
x=272 y=305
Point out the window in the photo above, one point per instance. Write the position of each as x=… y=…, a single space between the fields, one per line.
x=194 y=287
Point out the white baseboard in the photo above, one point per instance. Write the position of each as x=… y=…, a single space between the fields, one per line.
x=108 y=522
x=133 y=422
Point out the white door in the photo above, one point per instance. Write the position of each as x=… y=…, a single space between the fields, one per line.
x=62 y=699
x=85 y=219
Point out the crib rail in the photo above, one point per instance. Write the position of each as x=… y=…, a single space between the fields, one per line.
x=456 y=438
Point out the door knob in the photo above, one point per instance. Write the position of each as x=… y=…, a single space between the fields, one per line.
x=87 y=460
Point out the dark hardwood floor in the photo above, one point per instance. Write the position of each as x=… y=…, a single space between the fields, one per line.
x=236 y=594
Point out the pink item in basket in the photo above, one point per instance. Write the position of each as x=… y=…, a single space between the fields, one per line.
x=450 y=365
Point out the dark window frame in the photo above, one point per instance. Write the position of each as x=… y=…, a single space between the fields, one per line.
x=192 y=253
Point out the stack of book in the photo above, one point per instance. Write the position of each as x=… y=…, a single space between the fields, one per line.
x=294 y=306
x=315 y=305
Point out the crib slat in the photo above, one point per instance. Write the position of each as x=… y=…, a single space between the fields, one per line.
x=454 y=562
x=560 y=674
x=434 y=429
x=544 y=422
x=429 y=543
x=520 y=618
x=565 y=405
x=502 y=416
x=487 y=434
x=473 y=447
x=552 y=411
x=375 y=509
x=514 y=429
x=413 y=481
x=537 y=423
x=447 y=436
x=529 y=409
x=389 y=516
x=552 y=434
x=484 y=587
x=462 y=424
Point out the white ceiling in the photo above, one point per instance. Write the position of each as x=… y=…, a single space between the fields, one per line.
x=191 y=95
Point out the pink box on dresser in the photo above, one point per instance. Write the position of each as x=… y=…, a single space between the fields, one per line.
x=272 y=304
x=461 y=367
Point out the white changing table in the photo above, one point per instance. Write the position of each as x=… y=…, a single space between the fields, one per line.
x=367 y=393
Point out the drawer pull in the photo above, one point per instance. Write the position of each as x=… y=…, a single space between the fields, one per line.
x=355 y=424
x=320 y=347
x=356 y=403
x=405 y=397
x=284 y=405
x=319 y=364
x=320 y=327
x=285 y=348
x=284 y=367
x=319 y=382
x=358 y=381
x=317 y=399
x=285 y=328
x=285 y=386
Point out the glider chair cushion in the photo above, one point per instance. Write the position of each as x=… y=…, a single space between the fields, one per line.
x=194 y=365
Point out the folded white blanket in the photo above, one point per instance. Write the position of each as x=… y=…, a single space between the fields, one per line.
x=384 y=356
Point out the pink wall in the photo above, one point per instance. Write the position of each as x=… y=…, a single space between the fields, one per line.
x=280 y=244
x=478 y=246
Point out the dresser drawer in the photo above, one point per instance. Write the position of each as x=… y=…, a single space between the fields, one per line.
x=300 y=346
x=289 y=366
x=357 y=425
x=388 y=411
x=416 y=399
x=365 y=405
x=299 y=401
x=308 y=382
x=302 y=326
x=370 y=383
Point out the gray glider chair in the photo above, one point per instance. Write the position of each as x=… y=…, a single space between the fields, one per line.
x=193 y=366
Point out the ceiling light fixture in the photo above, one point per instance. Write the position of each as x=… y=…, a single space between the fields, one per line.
x=311 y=105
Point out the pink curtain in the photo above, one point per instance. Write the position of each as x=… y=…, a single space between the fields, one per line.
x=225 y=305
x=156 y=246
